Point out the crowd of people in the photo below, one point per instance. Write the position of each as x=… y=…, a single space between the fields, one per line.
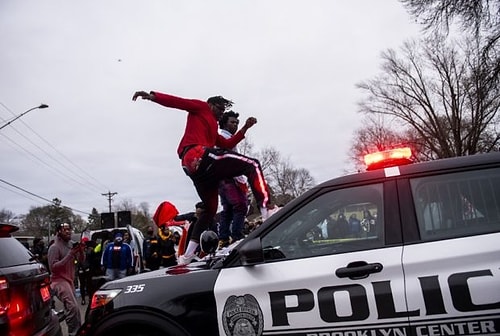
x=209 y=157
x=85 y=265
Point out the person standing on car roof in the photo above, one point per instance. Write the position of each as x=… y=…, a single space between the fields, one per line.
x=233 y=192
x=207 y=165
x=61 y=258
x=117 y=258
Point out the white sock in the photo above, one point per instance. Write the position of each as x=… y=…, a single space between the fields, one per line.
x=264 y=213
x=191 y=249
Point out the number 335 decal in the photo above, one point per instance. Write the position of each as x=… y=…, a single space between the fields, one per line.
x=134 y=289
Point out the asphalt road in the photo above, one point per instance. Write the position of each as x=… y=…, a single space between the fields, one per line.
x=83 y=308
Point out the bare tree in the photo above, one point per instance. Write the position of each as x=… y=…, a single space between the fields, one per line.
x=269 y=158
x=442 y=95
x=6 y=216
x=245 y=147
x=375 y=135
x=126 y=205
x=471 y=14
x=140 y=216
x=144 y=208
x=300 y=181
x=476 y=17
x=286 y=181
x=143 y=218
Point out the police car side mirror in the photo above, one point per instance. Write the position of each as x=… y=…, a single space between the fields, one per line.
x=251 y=252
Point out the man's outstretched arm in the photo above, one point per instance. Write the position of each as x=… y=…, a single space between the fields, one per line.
x=190 y=105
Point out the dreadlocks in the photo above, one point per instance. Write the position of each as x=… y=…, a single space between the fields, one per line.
x=220 y=102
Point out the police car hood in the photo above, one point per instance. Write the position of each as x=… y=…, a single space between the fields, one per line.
x=164 y=272
x=178 y=289
x=203 y=264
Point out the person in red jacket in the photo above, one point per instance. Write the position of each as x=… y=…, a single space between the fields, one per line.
x=207 y=159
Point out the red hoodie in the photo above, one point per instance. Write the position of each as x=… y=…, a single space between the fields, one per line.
x=165 y=212
x=201 y=126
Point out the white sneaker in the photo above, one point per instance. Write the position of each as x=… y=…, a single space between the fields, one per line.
x=272 y=211
x=186 y=259
x=266 y=213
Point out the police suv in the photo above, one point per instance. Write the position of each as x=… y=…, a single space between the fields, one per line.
x=402 y=249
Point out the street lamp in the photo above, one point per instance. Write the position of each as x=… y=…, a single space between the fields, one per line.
x=41 y=106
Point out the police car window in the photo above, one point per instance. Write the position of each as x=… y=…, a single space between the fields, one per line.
x=458 y=204
x=338 y=221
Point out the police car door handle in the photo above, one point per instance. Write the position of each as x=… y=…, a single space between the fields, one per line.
x=358 y=270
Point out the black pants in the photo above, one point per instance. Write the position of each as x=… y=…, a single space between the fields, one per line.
x=219 y=164
x=85 y=279
x=153 y=263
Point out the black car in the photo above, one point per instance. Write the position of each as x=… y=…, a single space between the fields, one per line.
x=25 y=298
x=403 y=249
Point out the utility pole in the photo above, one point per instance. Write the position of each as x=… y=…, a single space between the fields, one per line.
x=110 y=195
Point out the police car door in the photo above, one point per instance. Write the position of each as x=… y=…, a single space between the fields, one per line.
x=326 y=269
x=452 y=271
x=138 y=240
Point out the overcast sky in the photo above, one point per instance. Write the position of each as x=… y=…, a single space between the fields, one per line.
x=291 y=64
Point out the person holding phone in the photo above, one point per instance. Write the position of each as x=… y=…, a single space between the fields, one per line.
x=61 y=257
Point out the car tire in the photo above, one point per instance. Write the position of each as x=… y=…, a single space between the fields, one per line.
x=140 y=324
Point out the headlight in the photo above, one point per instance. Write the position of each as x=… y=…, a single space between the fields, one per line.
x=103 y=297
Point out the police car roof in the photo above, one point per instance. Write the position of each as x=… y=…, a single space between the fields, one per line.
x=380 y=175
x=441 y=165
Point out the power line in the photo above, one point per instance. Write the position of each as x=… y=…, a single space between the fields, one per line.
x=68 y=160
x=89 y=185
x=40 y=197
x=87 y=182
x=26 y=191
x=57 y=170
x=19 y=193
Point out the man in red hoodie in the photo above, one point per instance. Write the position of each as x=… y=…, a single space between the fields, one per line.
x=207 y=159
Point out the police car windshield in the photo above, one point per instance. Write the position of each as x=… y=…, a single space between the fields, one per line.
x=335 y=221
